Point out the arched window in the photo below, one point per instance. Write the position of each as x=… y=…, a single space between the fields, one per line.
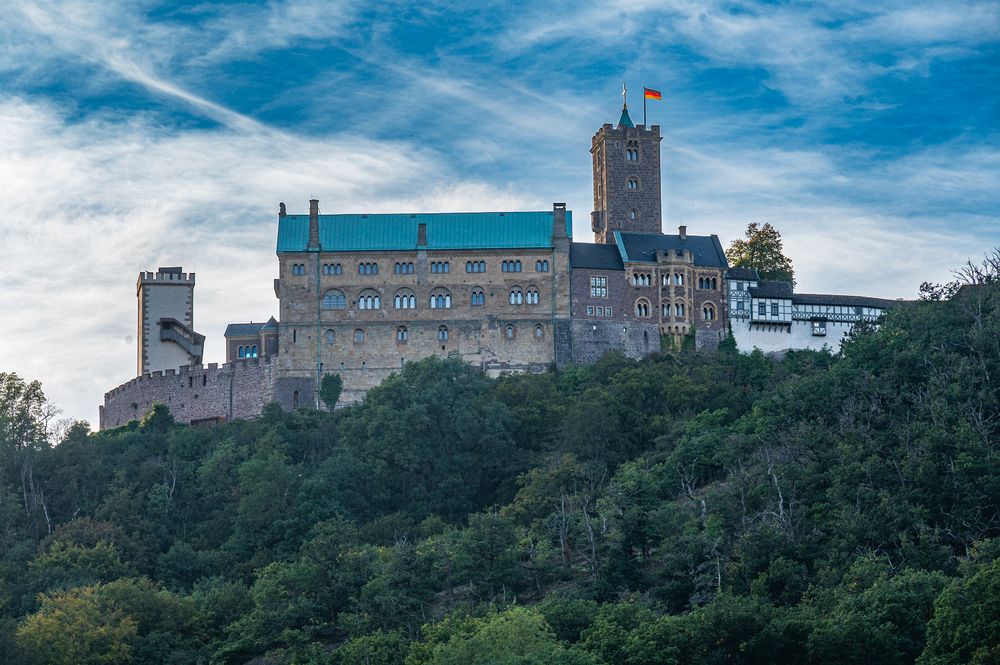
x=330 y=336
x=443 y=333
x=359 y=336
x=404 y=299
x=440 y=299
x=679 y=309
x=678 y=279
x=517 y=266
x=478 y=297
x=509 y=332
x=334 y=299
x=666 y=309
x=633 y=214
x=338 y=269
x=326 y=268
x=632 y=183
x=468 y=266
x=369 y=300
x=240 y=353
x=298 y=269
x=715 y=283
x=401 y=334
x=542 y=266
x=642 y=308
x=539 y=331
x=253 y=351
x=295 y=399
x=516 y=296
x=531 y=296
x=708 y=312
x=504 y=267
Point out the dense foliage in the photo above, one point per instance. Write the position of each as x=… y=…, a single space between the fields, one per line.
x=761 y=249
x=691 y=508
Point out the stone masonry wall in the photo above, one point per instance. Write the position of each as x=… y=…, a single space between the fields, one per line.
x=234 y=390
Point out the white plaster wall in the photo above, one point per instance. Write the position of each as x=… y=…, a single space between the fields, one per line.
x=782 y=339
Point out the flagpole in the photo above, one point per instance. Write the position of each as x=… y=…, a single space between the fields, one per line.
x=644 y=106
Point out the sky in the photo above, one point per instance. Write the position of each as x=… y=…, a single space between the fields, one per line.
x=138 y=133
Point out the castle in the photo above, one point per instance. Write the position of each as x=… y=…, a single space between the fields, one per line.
x=361 y=294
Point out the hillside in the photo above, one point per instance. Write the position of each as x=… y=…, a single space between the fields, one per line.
x=689 y=508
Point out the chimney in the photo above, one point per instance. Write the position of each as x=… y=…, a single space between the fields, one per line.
x=314 y=224
x=683 y=232
x=281 y=210
x=559 y=220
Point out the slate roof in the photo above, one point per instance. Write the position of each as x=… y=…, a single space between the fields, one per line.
x=595 y=256
x=626 y=119
x=642 y=247
x=831 y=299
x=445 y=230
x=771 y=289
x=743 y=273
x=243 y=329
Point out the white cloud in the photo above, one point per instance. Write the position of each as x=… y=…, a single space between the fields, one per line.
x=87 y=206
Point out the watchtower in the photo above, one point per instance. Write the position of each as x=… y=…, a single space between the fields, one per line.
x=166 y=336
x=626 y=178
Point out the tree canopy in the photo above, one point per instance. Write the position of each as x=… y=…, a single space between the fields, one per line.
x=761 y=250
x=688 y=508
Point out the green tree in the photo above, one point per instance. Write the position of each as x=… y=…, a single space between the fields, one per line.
x=329 y=389
x=76 y=627
x=966 y=621
x=762 y=251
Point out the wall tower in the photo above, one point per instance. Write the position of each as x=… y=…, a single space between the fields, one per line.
x=626 y=178
x=166 y=336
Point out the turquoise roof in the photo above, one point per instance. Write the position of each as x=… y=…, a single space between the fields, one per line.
x=445 y=230
x=626 y=119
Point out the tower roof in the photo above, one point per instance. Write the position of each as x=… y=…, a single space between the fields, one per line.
x=625 y=120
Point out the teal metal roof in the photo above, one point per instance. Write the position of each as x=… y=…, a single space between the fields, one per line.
x=626 y=119
x=445 y=230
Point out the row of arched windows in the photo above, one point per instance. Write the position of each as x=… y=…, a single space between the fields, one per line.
x=518 y=297
x=402 y=269
x=510 y=266
x=440 y=266
x=475 y=266
x=405 y=299
x=298 y=269
x=440 y=299
x=333 y=269
x=443 y=334
x=678 y=309
x=642 y=279
x=632 y=155
x=642 y=308
x=708 y=283
x=247 y=351
x=367 y=268
x=369 y=301
x=478 y=297
x=541 y=266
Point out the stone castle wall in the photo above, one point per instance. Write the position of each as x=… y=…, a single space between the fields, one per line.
x=192 y=393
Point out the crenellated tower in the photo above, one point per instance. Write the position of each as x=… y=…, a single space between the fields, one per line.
x=166 y=336
x=626 y=162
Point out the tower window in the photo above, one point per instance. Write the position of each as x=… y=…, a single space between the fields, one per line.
x=632 y=155
x=632 y=183
x=642 y=308
x=633 y=214
x=708 y=312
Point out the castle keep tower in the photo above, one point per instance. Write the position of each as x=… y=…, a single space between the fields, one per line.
x=166 y=335
x=626 y=179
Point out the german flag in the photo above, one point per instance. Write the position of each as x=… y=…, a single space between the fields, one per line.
x=649 y=93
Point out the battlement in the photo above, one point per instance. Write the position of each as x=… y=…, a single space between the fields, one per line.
x=608 y=130
x=167 y=276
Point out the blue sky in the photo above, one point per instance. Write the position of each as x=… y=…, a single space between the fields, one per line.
x=136 y=133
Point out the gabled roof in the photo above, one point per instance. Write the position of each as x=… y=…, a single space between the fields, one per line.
x=445 y=230
x=642 y=247
x=849 y=301
x=594 y=256
x=271 y=325
x=743 y=273
x=771 y=289
x=243 y=329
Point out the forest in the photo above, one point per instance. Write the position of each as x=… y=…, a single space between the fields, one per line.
x=688 y=508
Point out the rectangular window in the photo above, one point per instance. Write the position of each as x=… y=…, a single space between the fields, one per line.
x=607 y=311
x=739 y=305
x=774 y=309
x=739 y=286
x=762 y=309
x=600 y=311
x=590 y=310
x=598 y=287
